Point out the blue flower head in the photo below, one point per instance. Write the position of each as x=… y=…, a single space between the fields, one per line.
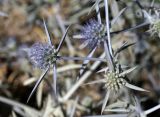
x=42 y=55
x=93 y=33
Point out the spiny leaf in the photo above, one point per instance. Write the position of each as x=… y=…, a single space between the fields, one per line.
x=55 y=78
x=47 y=33
x=103 y=69
x=105 y=101
x=135 y=87
x=152 y=109
x=97 y=2
x=128 y=71
x=119 y=14
x=37 y=84
x=118 y=104
x=82 y=58
x=117 y=110
x=62 y=40
x=132 y=28
x=123 y=47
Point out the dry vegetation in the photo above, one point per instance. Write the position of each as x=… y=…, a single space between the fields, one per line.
x=135 y=42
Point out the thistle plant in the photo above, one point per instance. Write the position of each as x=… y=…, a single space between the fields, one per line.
x=93 y=34
x=115 y=77
x=114 y=82
x=45 y=56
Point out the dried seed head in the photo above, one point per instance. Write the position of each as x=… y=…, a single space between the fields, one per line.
x=155 y=27
x=114 y=81
x=93 y=33
x=42 y=55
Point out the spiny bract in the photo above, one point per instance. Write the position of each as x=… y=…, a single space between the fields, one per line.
x=93 y=33
x=42 y=55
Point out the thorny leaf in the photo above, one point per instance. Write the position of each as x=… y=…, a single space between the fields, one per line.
x=91 y=9
x=82 y=58
x=47 y=33
x=120 y=13
x=105 y=101
x=128 y=71
x=55 y=78
x=135 y=87
x=62 y=40
x=39 y=94
x=118 y=104
x=132 y=28
x=152 y=109
x=118 y=110
x=37 y=84
x=103 y=69
x=117 y=32
x=123 y=47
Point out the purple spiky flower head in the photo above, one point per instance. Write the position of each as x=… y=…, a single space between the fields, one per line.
x=93 y=33
x=42 y=55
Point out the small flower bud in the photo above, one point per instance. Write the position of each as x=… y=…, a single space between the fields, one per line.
x=114 y=81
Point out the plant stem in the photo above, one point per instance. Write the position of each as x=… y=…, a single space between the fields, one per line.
x=107 y=25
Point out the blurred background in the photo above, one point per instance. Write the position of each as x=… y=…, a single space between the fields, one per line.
x=21 y=25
